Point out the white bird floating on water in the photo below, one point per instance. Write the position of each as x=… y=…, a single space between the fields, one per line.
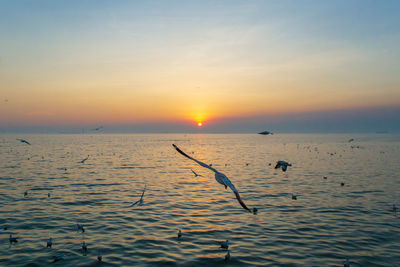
x=49 y=242
x=225 y=244
x=220 y=177
x=195 y=174
x=140 y=201
x=85 y=159
x=282 y=164
x=228 y=256
x=12 y=239
x=23 y=141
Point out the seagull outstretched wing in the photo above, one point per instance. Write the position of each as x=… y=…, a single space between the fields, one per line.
x=195 y=174
x=278 y=165
x=220 y=177
x=23 y=141
x=195 y=160
x=140 y=201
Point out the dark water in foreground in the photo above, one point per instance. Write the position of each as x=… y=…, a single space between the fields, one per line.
x=326 y=224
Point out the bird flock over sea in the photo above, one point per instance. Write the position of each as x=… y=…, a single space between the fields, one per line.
x=219 y=177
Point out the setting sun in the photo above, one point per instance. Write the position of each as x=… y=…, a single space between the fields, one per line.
x=200 y=124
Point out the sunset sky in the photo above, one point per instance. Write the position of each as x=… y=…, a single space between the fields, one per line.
x=167 y=65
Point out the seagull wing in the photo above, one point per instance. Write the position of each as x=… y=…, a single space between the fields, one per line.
x=225 y=179
x=278 y=165
x=195 y=160
x=141 y=198
x=227 y=182
x=236 y=192
x=23 y=141
x=83 y=161
x=134 y=203
x=143 y=192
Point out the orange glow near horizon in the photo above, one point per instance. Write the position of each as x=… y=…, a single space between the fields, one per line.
x=200 y=124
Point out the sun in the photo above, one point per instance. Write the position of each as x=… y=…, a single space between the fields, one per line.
x=199 y=124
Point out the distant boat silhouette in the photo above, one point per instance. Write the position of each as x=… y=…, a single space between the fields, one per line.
x=265 y=133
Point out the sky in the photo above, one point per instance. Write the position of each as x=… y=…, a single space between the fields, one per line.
x=235 y=66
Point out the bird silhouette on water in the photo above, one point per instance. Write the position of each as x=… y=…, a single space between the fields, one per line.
x=84 y=247
x=228 y=256
x=13 y=239
x=219 y=177
x=23 y=141
x=58 y=257
x=85 y=159
x=282 y=164
x=80 y=227
x=195 y=174
x=49 y=242
x=140 y=201
x=225 y=244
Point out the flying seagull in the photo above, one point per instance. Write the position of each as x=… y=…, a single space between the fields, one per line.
x=85 y=159
x=195 y=174
x=140 y=201
x=282 y=164
x=23 y=141
x=350 y=140
x=220 y=177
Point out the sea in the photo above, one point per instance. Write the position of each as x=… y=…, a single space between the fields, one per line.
x=344 y=208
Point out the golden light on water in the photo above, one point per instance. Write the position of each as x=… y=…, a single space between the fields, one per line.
x=199 y=124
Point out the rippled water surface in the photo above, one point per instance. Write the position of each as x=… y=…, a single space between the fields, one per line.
x=326 y=224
